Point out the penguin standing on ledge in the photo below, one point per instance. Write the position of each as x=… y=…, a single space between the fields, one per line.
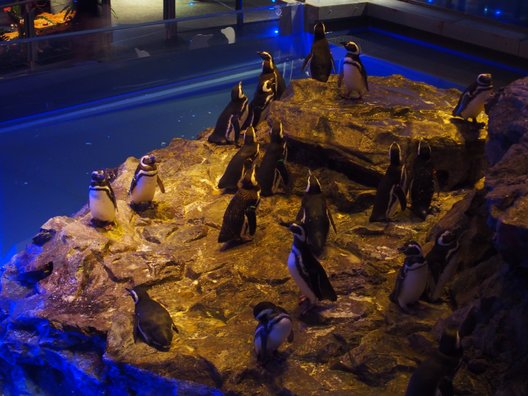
x=240 y=218
x=320 y=57
x=237 y=166
x=422 y=182
x=473 y=99
x=267 y=61
x=143 y=185
x=272 y=174
x=353 y=73
x=264 y=94
x=315 y=216
x=275 y=327
x=306 y=270
x=153 y=321
x=232 y=118
x=102 y=200
x=391 y=188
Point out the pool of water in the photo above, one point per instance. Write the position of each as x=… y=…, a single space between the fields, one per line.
x=46 y=160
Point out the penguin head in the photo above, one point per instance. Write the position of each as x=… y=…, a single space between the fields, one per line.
x=249 y=136
x=137 y=293
x=395 y=154
x=298 y=231
x=446 y=238
x=450 y=342
x=263 y=311
x=237 y=94
x=248 y=181
x=424 y=150
x=484 y=79
x=267 y=61
x=277 y=134
x=319 y=30
x=351 y=47
x=98 y=176
x=313 y=186
x=411 y=248
x=148 y=161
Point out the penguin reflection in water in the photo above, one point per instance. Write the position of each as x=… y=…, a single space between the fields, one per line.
x=240 y=218
x=412 y=277
x=307 y=271
x=434 y=377
x=473 y=99
x=102 y=200
x=391 y=188
x=275 y=327
x=144 y=182
x=353 y=74
x=153 y=321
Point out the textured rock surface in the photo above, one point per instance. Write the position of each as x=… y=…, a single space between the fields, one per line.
x=354 y=136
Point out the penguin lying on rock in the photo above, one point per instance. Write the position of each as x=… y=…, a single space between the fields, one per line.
x=102 y=200
x=143 y=185
x=320 y=57
x=473 y=99
x=272 y=174
x=353 y=74
x=153 y=321
x=275 y=327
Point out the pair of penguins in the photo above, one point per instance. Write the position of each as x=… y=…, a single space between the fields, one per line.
x=102 y=200
x=240 y=114
x=392 y=187
x=425 y=277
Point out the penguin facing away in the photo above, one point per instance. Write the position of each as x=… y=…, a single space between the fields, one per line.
x=434 y=376
x=422 y=182
x=412 y=277
x=146 y=177
x=272 y=174
x=237 y=166
x=240 y=218
x=442 y=264
x=153 y=321
x=353 y=74
x=473 y=99
x=102 y=200
x=320 y=57
x=390 y=190
x=275 y=327
x=267 y=60
x=315 y=216
x=232 y=118
x=306 y=270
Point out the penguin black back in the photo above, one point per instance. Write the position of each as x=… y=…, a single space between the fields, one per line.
x=269 y=62
x=272 y=173
x=232 y=118
x=320 y=57
x=422 y=181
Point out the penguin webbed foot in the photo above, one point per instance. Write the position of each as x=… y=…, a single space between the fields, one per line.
x=105 y=225
x=141 y=206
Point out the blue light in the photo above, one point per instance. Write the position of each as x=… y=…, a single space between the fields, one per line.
x=273 y=1
x=276 y=31
x=498 y=12
x=430 y=1
x=485 y=10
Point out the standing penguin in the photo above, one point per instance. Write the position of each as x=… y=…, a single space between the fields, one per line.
x=391 y=188
x=153 y=321
x=275 y=327
x=264 y=94
x=353 y=73
x=238 y=165
x=240 y=218
x=442 y=263
x=434 y=377
x=306 y=270
x=102 y=199
x=146 y=177
x=272 y=174
x=232 y=118
x=315 y=216
x=412 y=277
x=473 y=99
x=267 y=61
x=320 y=57
x=422 y=182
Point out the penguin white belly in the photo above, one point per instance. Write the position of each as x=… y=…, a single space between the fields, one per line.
x=475 y=106
x=305 y=289
x=279 y=333
x=101 y=206
x=413 y=286
x=144 y=190
x=353 y=80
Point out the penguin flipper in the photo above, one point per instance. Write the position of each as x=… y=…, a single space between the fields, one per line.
x=364 y=76
x=281 y=167
x=112 y=195
x=398 y=191
x=236 y=127
x=290 y=336
x=333 y=63
x=306 y=60
x=161 y=185
x=340 y=79
x=331 y=219
x=175 y=328
x=133 y=185
x=251 y=216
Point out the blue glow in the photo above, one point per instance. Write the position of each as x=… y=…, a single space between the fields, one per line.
x=498 y=12
x=429 y=1
x=273 y=1
x=276 y=31
x=191 y=3
x=485 y=10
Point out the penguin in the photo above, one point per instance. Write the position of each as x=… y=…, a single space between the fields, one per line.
x=442 y=264
x=306 y=270
x=315 y=216
x=472 y=100
x=265 y=93
x=320 y=57
x=146 y=177
x=153 y=321
x=267 y=61
x=272 y=174
x=390 y=190
x=353 y=73
x=412 y=278
x=232 y=118
x=238 y=164
x=434 y=376
x=274 y=327
x=102 y=200
x=422 y=182
x=240 y=218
